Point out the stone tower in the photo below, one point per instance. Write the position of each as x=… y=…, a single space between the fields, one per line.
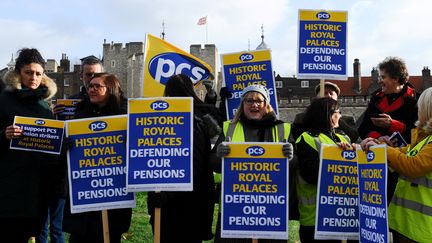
x=209 y=55
x=115 y=60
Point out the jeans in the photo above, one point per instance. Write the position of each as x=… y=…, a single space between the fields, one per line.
x=54 y=220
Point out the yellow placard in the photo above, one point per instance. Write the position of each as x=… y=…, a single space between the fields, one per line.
x=375 y=155
x=255 y=150
x=39 y=122
x=158 y=104
x=334 y=152
x=68 y=102
x=158 y=50
x=323 y=15
x=96 y=125
x=236 y=58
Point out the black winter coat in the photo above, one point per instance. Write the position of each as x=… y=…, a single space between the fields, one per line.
x=188 y=216
x=90 y=223
x=26 y=177
x=402 y=108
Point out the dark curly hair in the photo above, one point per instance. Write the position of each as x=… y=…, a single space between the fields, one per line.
x=395 y=68
x=27 y=56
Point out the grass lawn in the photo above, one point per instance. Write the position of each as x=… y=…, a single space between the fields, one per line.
x=141 y=232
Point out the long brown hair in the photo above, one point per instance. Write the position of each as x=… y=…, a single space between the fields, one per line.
x=114 y=90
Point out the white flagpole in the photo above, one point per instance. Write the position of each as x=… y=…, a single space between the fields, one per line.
x=206 y=30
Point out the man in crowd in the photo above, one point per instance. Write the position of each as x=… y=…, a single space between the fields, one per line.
x=346 y=123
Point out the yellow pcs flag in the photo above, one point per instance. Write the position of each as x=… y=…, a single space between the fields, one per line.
x=163 y=60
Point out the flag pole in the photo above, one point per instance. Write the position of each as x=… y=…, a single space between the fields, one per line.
x=206 y=31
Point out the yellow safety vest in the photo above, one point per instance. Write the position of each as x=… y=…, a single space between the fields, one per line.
x=410 y=210
x=235 y=132
x=306 y=192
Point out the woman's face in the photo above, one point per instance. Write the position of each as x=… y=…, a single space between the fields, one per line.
x=254 y=106
x=388 y=84
x=31 y=75
x=98 y=92
x=335 y=116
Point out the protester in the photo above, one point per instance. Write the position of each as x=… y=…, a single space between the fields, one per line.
x=188 y=216
x=392 y=108
x=89 y=67
x=409 y=211
x=347 y=124
x=321 y=119
x=105 y=98
x=254 y=121
x=26 y=177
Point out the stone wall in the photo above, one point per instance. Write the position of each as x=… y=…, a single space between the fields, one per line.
x=349 y=106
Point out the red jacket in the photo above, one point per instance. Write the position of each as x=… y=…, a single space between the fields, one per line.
x=401 y=107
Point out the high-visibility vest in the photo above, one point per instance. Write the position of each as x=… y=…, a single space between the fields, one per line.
x=306 y=192
x=235 y=131
x=410 y=210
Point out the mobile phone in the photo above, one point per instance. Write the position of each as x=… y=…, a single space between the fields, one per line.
x=375 y=115
x=397 y=139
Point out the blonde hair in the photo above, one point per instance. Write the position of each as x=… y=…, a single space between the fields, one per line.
x=424 y=104
x=252 y=95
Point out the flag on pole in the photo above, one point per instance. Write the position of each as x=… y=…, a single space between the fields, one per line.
x=202 y=21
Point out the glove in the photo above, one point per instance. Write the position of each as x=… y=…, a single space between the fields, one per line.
x=225 y=93
x=288 y=150
x=222 y=150
x=67 y=144
x=208 y=84
x=59 y=108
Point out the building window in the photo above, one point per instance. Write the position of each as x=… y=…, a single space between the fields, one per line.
x=304 y=84
x=66 y=82
x=279 y=84
x=113 y=63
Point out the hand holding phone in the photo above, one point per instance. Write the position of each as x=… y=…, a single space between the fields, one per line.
x=375 y=115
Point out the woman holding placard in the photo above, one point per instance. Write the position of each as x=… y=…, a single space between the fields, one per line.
x=410 y=208
x=321 y=119
x=254 y=121
x=188 y=216
x=25 y=176
x=105 y=98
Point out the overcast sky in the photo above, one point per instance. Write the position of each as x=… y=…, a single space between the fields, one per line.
x=376 y=28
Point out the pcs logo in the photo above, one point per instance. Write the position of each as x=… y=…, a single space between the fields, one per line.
x=40 y=122
x=348 y=154
x=165 y=65
x=370 y=156
x=245 y=57
x=323 y=15
x=159 y=105
x=255 y=151
x=98 y=126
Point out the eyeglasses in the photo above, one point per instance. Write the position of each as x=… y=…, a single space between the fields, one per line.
x=95 y=86
x=252 y=101
x=89 y=75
